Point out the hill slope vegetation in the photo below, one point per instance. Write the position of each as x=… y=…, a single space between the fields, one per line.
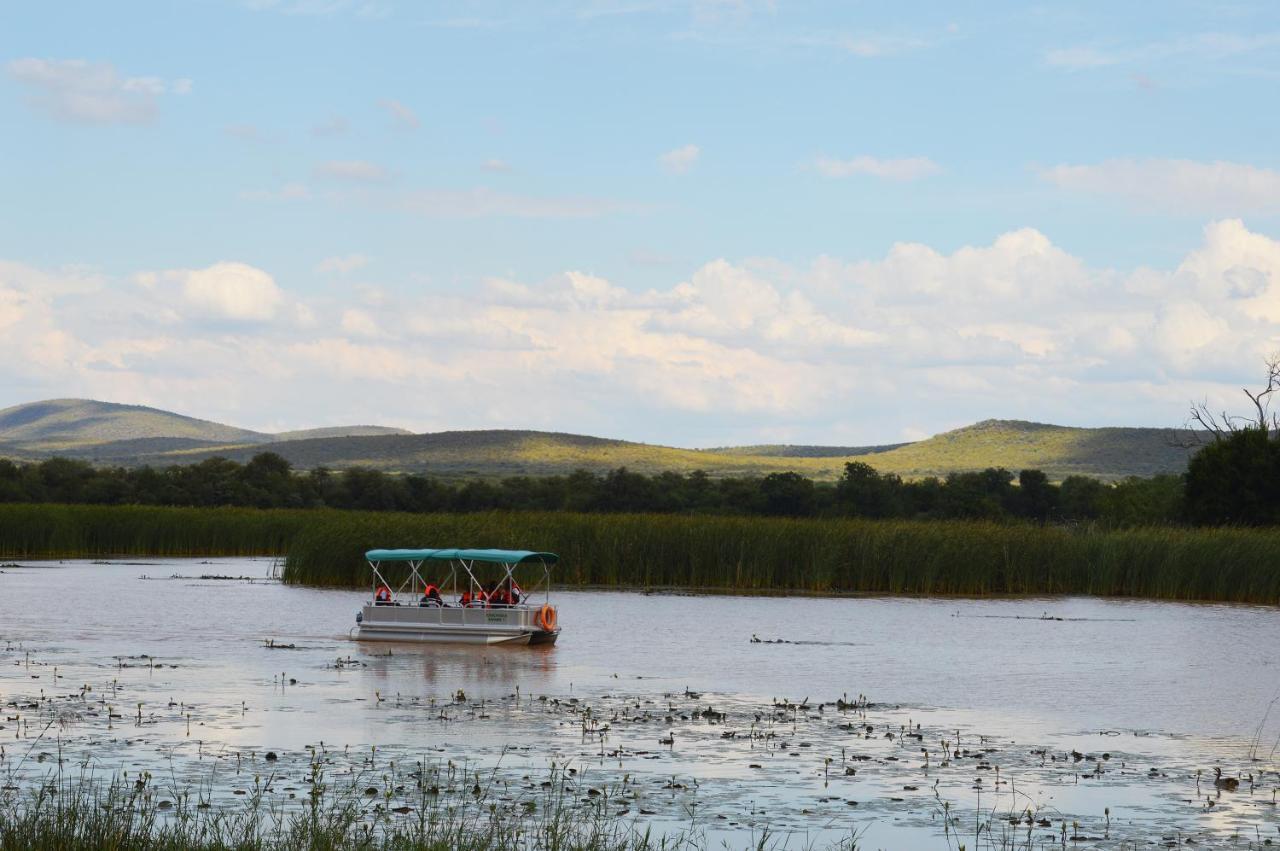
x=133 y=435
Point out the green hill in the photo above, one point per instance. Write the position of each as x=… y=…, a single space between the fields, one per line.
x=126 y=431
x=131 y=435
x=1061 y=451
x=69 y=423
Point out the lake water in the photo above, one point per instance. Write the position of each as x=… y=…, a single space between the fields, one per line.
x=1167 y=692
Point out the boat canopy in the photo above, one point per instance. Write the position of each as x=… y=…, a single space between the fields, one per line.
x=489 y=556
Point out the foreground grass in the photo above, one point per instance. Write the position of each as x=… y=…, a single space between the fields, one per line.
x=325 y=547
x=82 y=813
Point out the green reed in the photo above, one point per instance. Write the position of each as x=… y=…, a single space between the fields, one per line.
x=53 y=530
x=824 y=556
x=325 y=547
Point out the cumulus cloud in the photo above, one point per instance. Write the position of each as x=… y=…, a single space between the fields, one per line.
x=356 y=171
x=1188 y=185
x=680 y=160
x=1012 y=327
x=82 y=92
x=907 y=168
x=402 y=117
x=496 y=166
x=226 y=290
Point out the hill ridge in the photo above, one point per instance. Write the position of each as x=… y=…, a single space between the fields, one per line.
x=100 y=432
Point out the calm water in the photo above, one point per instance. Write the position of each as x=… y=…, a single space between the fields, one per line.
x=1171 y=687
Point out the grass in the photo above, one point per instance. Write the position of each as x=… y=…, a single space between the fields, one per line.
x=430 y=809
x=325 y=548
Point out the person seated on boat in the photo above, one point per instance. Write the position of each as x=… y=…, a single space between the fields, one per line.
x=431 y=597
x=514 y=595
x=499 y=598
x=478 y=600
x=382 y=597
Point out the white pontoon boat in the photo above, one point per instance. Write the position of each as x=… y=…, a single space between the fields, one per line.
x=438 y=595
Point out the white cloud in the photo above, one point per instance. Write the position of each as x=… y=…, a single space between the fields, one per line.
x=495 y=166
x=1013 y=327
x=402 y=116
x=359 y=323
x=77 y=91
x=908 y=168
x=1187 y=185
x=680 y=160
x=342 y=264
x=230 y=291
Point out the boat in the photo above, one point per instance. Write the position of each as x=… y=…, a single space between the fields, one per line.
x=438 y=596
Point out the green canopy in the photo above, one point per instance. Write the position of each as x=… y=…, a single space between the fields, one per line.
x=490 y=556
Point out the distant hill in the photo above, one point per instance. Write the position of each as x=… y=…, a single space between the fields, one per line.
x=67 y=423
x=788 y=450
x=76 y=425
x=1061 y=451
x=131 y=435
x=338 y=431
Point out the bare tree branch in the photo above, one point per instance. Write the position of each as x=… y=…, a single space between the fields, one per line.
x=1203 y=422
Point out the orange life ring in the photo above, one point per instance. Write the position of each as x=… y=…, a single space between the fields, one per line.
x=547 y=618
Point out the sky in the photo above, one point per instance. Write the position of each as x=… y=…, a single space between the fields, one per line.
x=692 y=223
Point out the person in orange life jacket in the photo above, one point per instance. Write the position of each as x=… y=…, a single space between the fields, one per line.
x=382 y=597
x=431 y=597
x=500 y=598
x=514 y=594
x=478 y=600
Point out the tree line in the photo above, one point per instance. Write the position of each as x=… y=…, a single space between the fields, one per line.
x=269 y=481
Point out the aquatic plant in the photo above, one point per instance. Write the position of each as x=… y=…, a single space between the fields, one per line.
x=825 y=556
x=423 y=813
x=743 y=554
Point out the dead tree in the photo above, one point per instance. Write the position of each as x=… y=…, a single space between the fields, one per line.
x=1219 y=426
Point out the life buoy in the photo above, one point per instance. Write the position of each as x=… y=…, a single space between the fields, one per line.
x=547 y=618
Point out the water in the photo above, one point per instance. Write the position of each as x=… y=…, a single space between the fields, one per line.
x=1170 y=687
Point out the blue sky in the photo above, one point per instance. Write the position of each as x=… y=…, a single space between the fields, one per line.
x=692 y=223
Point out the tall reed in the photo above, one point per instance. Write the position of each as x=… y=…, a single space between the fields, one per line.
x=893 y=557
x=325 y=547
x=53 y=530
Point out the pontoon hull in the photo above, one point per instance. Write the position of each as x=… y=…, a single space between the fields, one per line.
x=514 y=626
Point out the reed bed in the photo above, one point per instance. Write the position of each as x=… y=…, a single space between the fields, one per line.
x=825 y=556
x=58 y=531
x=746 y=554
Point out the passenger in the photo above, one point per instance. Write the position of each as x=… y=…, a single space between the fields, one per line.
x=500 y=599
x=431 y=597
x=478 y=600
x=515 y=594
x=382 y=597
